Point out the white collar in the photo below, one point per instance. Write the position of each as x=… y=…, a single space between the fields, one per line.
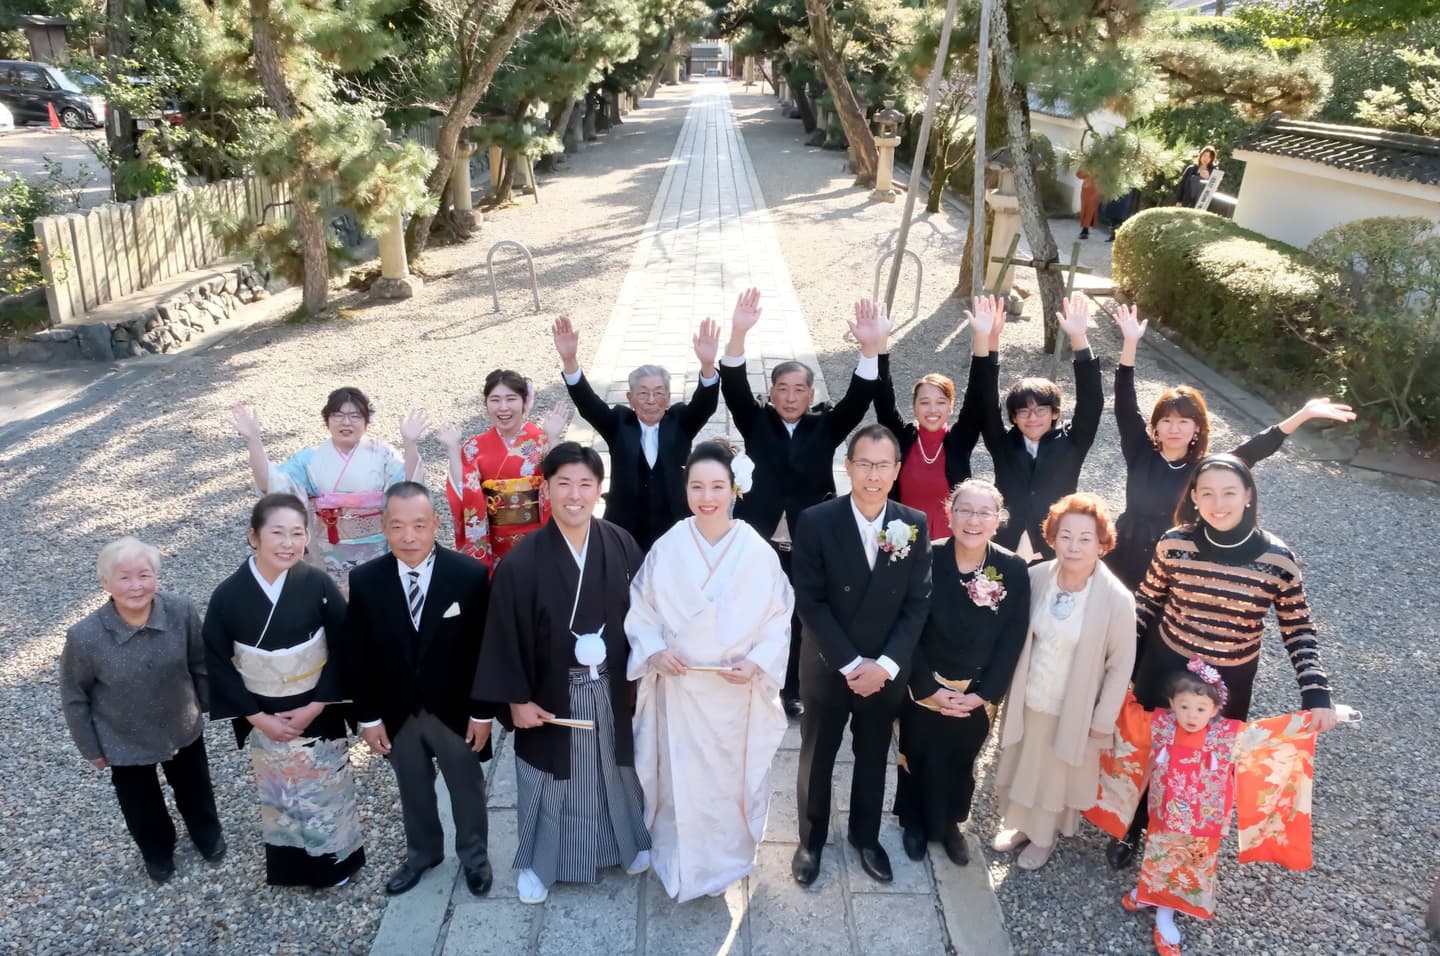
x=272 y=591
x=424 y=568
x=646 y=429
x=579 y=556
x=863 y=521
x=1033 y=447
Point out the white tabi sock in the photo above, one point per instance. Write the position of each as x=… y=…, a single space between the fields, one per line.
x=1165 y=923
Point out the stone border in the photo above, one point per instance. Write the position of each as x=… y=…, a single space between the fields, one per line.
x=165 y=327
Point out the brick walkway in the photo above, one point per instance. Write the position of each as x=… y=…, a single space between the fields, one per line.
x=708 y=236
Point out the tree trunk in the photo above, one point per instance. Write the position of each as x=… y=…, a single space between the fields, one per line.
x=847 y=108
x=802 y=103
x=473 y=85
x=315 y=252
x=119 y=132
x=1015 y=99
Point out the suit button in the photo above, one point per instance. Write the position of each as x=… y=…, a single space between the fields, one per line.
x=847 y=587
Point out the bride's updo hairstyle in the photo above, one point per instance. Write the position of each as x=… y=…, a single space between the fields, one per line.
x=715 y=449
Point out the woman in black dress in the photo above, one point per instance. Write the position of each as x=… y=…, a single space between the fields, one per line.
x=1196 y=176
x=1160 y=456
x=962 y=666
x=269 y=633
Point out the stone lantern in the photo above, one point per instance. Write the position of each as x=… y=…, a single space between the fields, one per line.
x=887 y=136
x=1005 y=206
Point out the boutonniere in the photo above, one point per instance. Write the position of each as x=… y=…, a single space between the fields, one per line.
x=896 y=538
x=987 y=588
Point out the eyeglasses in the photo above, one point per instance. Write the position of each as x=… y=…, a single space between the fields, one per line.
x=872 y=467
x=965 y=514
x=648 y=396
x=348 y=416
x=1034 y=411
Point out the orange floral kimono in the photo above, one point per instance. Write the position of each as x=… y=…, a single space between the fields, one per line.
x=503 y=498
x=1263 y=769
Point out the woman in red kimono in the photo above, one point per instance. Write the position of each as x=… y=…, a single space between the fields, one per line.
x=495 y=489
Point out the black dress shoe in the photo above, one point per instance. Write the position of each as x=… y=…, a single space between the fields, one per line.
x=404 y=879
x=793 y=707
x=479 y=878
x=805 y=866
x=955 y=849
x=874 y=861
x=914 y=843
x=216 y=852
x=1120 y=853
x=160 y=870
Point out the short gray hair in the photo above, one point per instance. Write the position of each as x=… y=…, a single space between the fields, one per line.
x=125 y=549
x=785 y=368
x=649 y=371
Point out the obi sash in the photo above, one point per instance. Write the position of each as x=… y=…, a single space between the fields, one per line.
x=350 y=516
x=513 y=501
x=282 y=673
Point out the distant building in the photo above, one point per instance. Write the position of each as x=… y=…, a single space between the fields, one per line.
x=1303 y=178
x=710 y=57
x=48 y=43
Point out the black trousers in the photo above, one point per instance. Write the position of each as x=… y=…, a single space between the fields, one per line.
x=829 y=705
x=791 y=690
x=143 y=805
x=935 y=775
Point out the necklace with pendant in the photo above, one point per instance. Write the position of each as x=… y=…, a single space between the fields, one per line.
x=920 y=443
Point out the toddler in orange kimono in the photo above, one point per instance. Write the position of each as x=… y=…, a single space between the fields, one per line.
x=1199 y=766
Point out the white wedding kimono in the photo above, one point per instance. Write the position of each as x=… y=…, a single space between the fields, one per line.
x=703 y=746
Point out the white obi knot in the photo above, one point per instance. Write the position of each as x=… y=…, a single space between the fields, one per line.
x=590 y=651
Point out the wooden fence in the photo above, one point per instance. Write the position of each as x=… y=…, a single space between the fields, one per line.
x=103 y=254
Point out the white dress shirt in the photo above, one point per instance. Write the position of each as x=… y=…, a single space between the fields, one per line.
x=870 y=537
x=649 y=434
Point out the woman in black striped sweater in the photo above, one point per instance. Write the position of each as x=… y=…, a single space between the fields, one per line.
x=1210 y=587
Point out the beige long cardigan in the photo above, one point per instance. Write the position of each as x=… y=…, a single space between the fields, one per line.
x=1099 y=672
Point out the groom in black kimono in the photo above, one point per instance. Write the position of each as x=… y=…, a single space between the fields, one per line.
x=862 y=590
x=555 y=649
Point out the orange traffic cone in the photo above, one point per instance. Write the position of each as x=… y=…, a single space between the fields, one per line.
x=54 y=120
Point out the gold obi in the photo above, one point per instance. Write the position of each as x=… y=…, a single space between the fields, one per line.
x=512 y=501
x=959 y=687
x=282 y=673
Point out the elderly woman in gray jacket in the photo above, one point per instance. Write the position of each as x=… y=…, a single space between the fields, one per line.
x=132 y=685
x=1068 y=686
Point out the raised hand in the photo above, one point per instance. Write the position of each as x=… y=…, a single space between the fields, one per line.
x=413 y=425
x=567 y=343
x=747 y=311
x=707 y=346
x=449 y=436
x=1127 y=317
x=871 y=327
x=989 y=312
x=555 y=421
x=247 y=423
x=1324 y=408
x=1074 y=315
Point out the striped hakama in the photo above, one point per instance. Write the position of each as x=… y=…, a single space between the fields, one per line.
x=571 y=828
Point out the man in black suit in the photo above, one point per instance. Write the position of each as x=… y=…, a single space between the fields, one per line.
x=412 y=640
x=649 y=441
x=862 y=587
x=791 y=443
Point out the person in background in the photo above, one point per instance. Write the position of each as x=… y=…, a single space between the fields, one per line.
x=1068 y=685
x=979 y=616
x=342 y=480
x=1196 y=176
x=1089 y=202
x=133 y=690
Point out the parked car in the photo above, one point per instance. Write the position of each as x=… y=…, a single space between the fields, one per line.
x=7 y=121
x=28 y=89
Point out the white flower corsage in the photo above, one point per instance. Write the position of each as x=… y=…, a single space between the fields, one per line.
x=896 y=539
x=744 y=470
x=987 y=589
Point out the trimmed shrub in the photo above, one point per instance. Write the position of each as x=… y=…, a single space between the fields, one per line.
x=1233 y=295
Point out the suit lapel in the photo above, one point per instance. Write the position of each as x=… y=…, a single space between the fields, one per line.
x=853 y=544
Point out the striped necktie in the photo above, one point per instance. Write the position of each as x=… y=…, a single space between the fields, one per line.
x=415 y=599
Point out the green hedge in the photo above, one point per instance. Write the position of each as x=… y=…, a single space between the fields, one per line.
x=1229 y=292
x=1356 y=316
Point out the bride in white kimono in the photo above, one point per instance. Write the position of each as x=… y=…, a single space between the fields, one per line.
x=709 y=631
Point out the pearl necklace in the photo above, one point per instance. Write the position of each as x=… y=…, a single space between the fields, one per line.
x=1237 y=544
x=920 y=443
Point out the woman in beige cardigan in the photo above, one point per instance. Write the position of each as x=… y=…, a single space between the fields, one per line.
x=1068 y=687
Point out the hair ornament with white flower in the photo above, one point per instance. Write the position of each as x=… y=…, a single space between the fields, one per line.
x=743 y=468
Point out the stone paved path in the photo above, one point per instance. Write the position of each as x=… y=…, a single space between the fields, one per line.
x=709 y=236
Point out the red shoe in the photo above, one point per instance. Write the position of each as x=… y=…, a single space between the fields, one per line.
x=1164 y=948
x=1131 y=903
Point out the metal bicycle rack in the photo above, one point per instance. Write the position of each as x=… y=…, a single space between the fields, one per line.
x=529 y=263
x=919 y=276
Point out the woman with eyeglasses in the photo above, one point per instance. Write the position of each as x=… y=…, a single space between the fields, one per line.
x=1213 y=581
x=1068 y=686
x=960 y=670
x=343 y=480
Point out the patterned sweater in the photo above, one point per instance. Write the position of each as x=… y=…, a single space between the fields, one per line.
x=1216 y=612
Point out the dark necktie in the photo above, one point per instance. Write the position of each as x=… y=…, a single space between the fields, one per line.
x=415 y=599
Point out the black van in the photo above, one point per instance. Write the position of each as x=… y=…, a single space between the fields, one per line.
x=27 y=87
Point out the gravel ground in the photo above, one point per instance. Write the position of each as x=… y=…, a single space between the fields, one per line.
x=1377 y=813
x=159 y=459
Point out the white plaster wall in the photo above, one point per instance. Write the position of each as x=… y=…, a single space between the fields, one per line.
x=1065 y=133
x=1295 y=201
